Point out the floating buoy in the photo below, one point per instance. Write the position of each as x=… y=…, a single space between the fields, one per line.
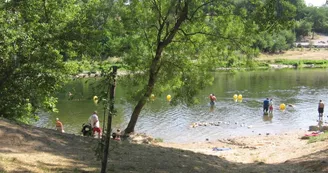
x=235 y=97
x=95 y=99
x=240 y=97
x=152 y=97
x=168 y=98
x=282 y=106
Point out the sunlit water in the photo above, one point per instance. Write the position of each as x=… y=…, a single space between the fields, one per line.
x=301 y=88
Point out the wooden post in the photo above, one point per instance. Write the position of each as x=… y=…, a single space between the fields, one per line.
x=111 y=112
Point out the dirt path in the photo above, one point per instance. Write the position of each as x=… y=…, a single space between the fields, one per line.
x=305 y=54
x=29 y=149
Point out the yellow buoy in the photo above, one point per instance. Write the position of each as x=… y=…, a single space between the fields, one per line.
x=152 y=97
x=168 y=97
x=240 y=97
x=95 y=99
x=235 y=97
x=282 y=106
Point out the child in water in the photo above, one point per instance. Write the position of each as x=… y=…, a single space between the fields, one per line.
x=271 y=106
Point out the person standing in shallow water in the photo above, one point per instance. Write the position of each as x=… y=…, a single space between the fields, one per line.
x=321 y=107
x=212 y=99
x=59 y=126
x=271 y=106
x=266 y=105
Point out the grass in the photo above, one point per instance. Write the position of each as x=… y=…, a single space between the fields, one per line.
x=321 y=137
x=300 y=62
x=158 y=140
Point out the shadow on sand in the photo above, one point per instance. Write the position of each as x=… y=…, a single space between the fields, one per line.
x=124 y=157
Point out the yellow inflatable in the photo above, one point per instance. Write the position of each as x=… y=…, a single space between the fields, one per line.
x=95 y=99
x=168 y=97
x=235 y=97
x=152 y=97
x=282 y=106
x=240 y=97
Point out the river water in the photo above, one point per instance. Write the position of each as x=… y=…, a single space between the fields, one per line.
x=303 y=88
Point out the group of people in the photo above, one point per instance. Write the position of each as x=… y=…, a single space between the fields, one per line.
x=268 y=107
x=93 y=121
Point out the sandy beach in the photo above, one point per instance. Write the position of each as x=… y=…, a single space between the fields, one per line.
x=26 y=148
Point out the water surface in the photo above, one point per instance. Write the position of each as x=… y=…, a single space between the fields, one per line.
x=302 y=88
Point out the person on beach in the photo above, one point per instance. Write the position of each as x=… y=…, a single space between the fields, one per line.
x=212 y=99
x=117 y=135
x=271 y=106
x=59 y=126
x=321 y=107
x=266 y=105
x=94 y=121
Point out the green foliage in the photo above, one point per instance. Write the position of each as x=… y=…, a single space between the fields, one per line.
x=303 y=28
x=301 y=63
x=37 y=39
x=275 y=42
x=214 y=33
x=321 y=137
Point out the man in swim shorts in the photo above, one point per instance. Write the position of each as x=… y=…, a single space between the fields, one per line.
x=321 y=106
x=266 y=105
x=212 y=99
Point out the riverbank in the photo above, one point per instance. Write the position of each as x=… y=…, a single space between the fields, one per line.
x=30 y=149
x=294 y=58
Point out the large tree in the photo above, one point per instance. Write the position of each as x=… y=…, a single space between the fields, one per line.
x=35 y=39
x=173 y=44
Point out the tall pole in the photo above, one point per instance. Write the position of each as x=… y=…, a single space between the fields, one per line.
x=111 y=112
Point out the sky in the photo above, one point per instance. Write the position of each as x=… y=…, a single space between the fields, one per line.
x=315 y=2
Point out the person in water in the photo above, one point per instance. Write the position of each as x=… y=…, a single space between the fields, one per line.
x=321 y=107
x=266 y=105
x=59 y=126
x=94 y=121
x=270 y=106
x=212 y=99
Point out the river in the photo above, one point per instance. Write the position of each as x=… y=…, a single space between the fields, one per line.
x=302 y=88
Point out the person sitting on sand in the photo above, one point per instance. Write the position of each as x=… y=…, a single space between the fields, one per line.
x=117 y=135
x=59 y=126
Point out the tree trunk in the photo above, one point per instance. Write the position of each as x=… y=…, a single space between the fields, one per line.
x=156 y=65
x=111 y=112
x=151 y=83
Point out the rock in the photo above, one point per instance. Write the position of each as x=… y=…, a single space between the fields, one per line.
x=313 y=128
x=325 y=128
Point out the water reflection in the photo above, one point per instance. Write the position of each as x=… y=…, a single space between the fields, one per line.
x=267 y=117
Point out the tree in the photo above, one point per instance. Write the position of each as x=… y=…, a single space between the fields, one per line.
x=173 y=44
x=35 y=39
x=303 y=28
